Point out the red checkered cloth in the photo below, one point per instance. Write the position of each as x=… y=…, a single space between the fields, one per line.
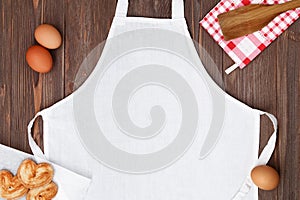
x=244 y=49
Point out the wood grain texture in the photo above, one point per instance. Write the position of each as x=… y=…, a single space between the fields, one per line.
x=271 y=82
x=5 y=72
x=21 y=89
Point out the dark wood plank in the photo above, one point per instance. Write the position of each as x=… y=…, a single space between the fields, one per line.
x=150 y=8
x=289 y=113
x=75 y=39
x=21 y=88
x=86 y=25
x=5 y=72
x=192 y=16
x=53 y=83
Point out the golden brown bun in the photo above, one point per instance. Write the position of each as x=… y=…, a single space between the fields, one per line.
x=46 y=192
x=10 y=186
x=34 y=175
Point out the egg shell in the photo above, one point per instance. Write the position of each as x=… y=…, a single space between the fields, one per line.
x=265 y=177
x=39 y=59
x=48 y=36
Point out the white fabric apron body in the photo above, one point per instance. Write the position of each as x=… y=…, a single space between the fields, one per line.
x=216 y=152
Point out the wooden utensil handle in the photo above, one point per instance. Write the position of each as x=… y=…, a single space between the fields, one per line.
x=287 y=6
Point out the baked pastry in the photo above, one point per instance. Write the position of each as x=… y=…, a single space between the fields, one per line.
x=34 y=175
x=10 y=186
x=46 y=192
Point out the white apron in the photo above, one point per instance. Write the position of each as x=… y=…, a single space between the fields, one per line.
x=150 y=124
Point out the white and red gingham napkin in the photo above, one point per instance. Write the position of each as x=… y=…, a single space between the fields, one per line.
x=244 y=49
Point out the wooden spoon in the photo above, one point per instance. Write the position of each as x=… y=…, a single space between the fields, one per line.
x=251 y=18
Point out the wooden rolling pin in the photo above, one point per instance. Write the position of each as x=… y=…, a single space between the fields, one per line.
x=251 y=18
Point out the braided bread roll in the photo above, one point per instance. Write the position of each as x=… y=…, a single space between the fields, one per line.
x=34 y=175
x=46 y=192
x=10 y=186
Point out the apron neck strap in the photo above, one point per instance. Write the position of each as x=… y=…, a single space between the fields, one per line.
x=122 y=7
x=177 y=9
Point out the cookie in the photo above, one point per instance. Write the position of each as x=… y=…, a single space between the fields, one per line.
x=34 y=175
x=46 y=192
x=10 y=186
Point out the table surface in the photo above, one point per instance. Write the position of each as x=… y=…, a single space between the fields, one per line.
x=271 y=82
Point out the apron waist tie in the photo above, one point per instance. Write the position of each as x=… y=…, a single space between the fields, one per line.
x=36 y=150
x=262 y=160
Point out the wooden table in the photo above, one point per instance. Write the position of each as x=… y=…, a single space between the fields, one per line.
x=271 y=82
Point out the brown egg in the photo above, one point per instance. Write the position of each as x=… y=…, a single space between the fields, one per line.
x=48 y=36
x=39 y=59
x=265 y=177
